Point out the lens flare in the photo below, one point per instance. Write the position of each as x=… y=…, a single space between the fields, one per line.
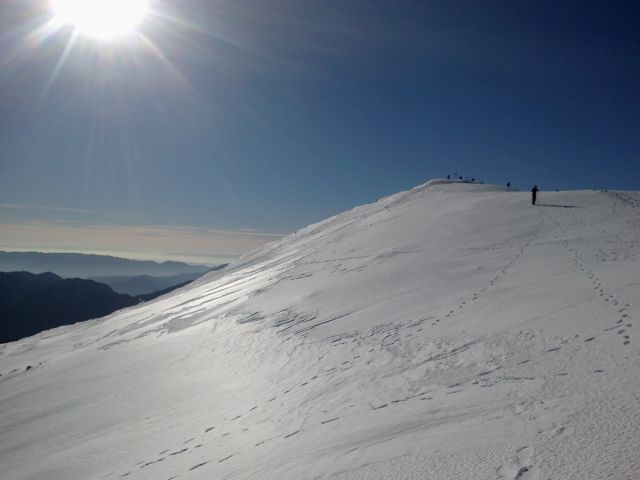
x=102 y=19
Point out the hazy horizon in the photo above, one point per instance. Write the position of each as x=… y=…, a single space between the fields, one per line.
x=208 y=261
x=186 y=244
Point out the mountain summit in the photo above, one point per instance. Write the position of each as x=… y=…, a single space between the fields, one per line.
x=451 y=331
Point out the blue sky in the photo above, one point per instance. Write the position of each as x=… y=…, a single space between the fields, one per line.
x=271 y=114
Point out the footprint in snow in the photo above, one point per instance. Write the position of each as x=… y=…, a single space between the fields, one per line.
x=198 y=466
x=179 y=451
x=329 y=421
x=151 y=463
x=519 y=467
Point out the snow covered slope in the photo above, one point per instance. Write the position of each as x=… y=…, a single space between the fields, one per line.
x=452 y=331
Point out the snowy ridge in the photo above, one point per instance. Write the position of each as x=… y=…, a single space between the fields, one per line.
x=451 y=331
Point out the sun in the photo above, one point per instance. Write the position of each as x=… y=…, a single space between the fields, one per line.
x=102 y=19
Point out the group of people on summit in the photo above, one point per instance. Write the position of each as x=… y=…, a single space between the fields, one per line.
x=534 y=190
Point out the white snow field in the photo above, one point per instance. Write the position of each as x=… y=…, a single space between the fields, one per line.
x=453 y=331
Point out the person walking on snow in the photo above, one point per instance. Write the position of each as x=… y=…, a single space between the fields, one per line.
x=534 y=194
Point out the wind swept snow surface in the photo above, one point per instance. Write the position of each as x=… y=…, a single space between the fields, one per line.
x=451 y=331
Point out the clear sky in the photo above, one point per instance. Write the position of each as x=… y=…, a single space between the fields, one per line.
x=267 y=115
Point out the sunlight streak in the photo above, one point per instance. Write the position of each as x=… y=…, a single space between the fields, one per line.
x=159 y=54
x=61 y=61
x=42 y=33
x=28 y=43
x=217 y=35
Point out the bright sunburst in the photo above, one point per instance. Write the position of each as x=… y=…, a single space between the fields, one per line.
x=103 y=19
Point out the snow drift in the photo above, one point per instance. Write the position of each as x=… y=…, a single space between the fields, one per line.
x=451 y=331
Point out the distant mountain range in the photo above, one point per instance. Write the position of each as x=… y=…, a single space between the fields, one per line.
x=39 y=291
x=31 y=303
x=69 y=265
x=141 y=284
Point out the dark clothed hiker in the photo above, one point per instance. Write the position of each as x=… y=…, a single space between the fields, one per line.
x=534 y=194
